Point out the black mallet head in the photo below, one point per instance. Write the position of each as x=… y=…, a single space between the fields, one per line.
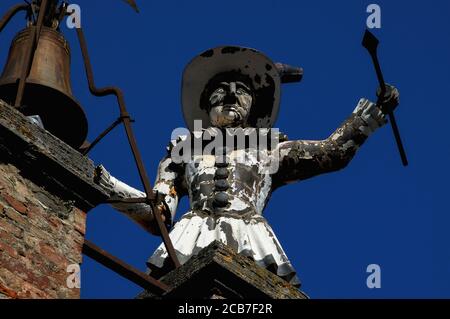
x=370 y=42
x=133 y=4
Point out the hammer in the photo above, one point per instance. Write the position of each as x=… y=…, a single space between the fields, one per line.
x=370 y=42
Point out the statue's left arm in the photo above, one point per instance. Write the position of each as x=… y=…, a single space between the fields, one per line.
x=301 y=159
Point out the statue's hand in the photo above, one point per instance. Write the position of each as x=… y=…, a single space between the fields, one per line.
x=390 y=100
x=141 y=213
x=103 y=178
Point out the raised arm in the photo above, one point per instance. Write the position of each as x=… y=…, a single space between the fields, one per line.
x=168 y=183
x=304 y=159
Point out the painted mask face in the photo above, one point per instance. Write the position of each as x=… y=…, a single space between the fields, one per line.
x=230 y=104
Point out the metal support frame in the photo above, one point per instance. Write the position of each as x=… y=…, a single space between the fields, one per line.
x=31 y=49
x=11 y=13
x=145 y=281
x=126 y=120
x=89 y=249
x=31 y=45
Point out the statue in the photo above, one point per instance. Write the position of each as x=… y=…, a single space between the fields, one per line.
x=238 y=88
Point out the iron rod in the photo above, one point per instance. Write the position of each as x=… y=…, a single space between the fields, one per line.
x=11 y=13
x=142 y=200
x=132 y=141
x=33 y=42
x=106 y=259
x=102 y=135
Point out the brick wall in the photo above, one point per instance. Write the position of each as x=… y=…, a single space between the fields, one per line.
x=45 y=188
x=40 y=235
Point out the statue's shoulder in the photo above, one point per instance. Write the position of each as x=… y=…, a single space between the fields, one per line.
x=282 y=137
x=177 y=141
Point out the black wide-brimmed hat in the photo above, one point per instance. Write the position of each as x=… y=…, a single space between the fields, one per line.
x=261 y=72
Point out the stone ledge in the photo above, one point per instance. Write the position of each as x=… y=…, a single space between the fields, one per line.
x=47 y=160
x=219 y=272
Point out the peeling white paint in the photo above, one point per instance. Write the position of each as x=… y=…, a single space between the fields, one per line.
x=240 y=224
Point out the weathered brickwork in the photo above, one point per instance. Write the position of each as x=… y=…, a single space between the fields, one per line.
x=40 y=235
x=45 y=189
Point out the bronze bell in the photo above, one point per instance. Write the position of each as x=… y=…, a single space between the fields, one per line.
x=48 y=91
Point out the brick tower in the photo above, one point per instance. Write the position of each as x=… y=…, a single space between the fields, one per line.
x=46 y=188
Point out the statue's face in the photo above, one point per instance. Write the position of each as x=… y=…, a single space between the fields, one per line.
x=230 y=104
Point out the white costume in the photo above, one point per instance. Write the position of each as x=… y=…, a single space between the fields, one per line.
x=227 y=198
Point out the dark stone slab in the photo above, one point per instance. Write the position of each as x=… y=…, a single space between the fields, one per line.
x=47 y=161
x=219 y=272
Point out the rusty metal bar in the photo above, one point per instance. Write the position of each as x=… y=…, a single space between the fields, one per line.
x=123 y=269
x=26 y=67
x=31 y=49
x=132 y=141
x=102 y=135
x=11 y=13
x=128 y=200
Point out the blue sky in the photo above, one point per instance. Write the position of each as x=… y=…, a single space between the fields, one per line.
x=332 y=226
